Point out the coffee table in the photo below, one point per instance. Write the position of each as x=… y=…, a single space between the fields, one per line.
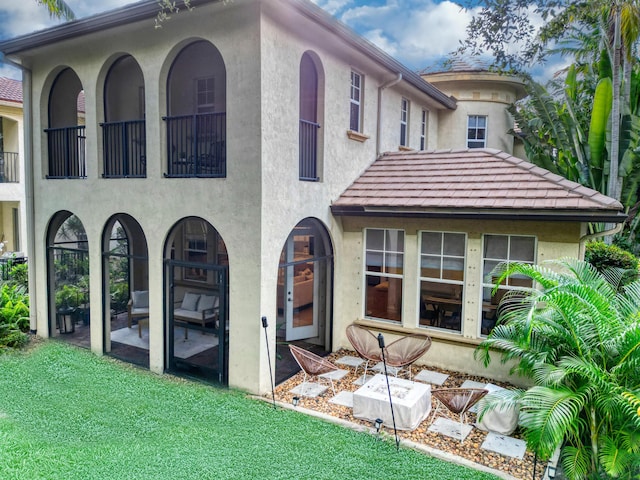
x=411 y=402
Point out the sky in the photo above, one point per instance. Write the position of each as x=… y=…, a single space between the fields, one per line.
x=418 y=33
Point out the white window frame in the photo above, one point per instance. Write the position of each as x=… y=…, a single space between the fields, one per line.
x=477 y=129
x=356 y=91
x=423 y=129
x=439 y=279
x=383 y=273
x=404 y=122
x=206 y=107
x=508 y=260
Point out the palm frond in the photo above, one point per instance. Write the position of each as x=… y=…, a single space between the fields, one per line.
x=575 y=462
x=548 y=414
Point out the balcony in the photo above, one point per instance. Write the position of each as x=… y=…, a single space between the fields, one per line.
x=66 y=148
x=9 y=167
x=196 y=145
x=309 y=150
x=124 y=149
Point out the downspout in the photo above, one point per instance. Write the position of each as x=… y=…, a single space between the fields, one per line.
x=390 y=83
x=27 y=122
x=584 y=239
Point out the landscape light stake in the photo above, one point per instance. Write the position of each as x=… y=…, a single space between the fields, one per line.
x=384 y=362
x=266 y=339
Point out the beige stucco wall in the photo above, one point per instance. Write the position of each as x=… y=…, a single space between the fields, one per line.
x=449 y=350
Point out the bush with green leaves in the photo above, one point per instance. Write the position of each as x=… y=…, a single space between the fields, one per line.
x=14 y=316
x=603 y=256
x=576 y=336
x=19 y=275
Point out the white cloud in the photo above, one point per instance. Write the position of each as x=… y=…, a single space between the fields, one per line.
x=418 y=31
x=26 y=16
x=10 y=72
x=332 y=6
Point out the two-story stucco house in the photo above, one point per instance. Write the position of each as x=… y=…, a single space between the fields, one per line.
x=12 y=187
x=231 y=164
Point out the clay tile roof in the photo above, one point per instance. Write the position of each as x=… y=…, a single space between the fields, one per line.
x=471 y=183
x=10 y=90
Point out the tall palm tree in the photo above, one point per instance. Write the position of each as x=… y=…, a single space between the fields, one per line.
x=577 y=337
x=58 y=9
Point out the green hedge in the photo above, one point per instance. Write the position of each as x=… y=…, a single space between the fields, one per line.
x=603 y=257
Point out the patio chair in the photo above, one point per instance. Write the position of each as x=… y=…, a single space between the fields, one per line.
x=458 y=401
x=138 y=306
x=314 y=365
x=365 y=343
x=406 y=350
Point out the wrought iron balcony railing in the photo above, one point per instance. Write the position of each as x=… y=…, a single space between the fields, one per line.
x=196 y=145
x=9 y=167
x=66 y=147
x=309 y=150
x=124 y=149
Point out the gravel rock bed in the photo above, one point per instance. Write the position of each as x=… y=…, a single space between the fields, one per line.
x=469 y=449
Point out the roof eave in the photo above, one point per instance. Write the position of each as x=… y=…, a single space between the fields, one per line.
x=413 y=78
x=128 y=14
x=484 y=214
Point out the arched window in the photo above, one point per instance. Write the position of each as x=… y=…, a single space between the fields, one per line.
x=309 y=116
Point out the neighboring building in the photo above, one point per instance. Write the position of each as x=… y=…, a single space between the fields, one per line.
x=227 y=165
x=13 y=230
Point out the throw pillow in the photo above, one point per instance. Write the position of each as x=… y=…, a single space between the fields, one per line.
x=207 y=302
x=140 y=298
x=190 y=301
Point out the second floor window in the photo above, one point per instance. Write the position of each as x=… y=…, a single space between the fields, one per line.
x=476 y=131
x=423 y=129
x=404 y=119
x=356 y=95
x=384 y=253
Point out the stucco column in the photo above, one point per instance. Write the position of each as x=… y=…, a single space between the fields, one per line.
x=156 y=307
x=472 y=286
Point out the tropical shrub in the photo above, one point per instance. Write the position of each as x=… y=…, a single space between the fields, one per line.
x=19 y=275
x=603 y=256
x=577 y=337
x=14 y=316
x=69 y=296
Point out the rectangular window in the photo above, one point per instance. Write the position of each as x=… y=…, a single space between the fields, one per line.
x=423 y=130
x=499 y=249
x=476 y=131
x=442 y=262
x=205 y=95
x=16 y=229
x=404 y=121
x=195 y=249
x=384 y=254
x=356 y=96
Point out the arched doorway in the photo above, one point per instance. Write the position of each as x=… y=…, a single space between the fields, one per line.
x=197 y=299
x=304 y=293
x=126 y=292
x=68 y=274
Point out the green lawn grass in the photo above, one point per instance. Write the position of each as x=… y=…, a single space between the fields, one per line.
x=68 y=414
